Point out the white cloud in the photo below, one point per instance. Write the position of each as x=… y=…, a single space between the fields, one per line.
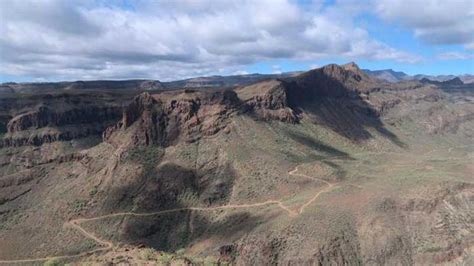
x=434 y=21
x=455 y=56
x=276 y=69
x=166 y=40
x=240 y=72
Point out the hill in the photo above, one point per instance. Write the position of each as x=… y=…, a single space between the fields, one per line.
x=454 y=82
x=387 y=75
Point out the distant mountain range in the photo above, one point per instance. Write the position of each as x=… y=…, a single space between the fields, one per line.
x=391 y=75
x=387 y=75
x=225 y=81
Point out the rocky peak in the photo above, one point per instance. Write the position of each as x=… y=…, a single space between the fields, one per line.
x=349 y=74
x=138 y=105
x=150 y=85
x=330 y=81
x=351 y=67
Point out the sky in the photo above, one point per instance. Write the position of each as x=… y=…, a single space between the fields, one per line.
x=55 y=40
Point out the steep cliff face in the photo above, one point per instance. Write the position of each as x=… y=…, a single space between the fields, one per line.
x=56 y=117
x=268 y=100
x=45 y=116
x=163 y=119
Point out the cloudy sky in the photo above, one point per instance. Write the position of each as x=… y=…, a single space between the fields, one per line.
x=51 y=40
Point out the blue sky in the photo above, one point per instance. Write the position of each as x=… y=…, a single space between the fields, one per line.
x=54 y=40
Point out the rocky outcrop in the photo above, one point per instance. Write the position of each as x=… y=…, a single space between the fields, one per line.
x=50 y=134
x=151 y=85
x=163 y=119
x=44 y=116
x=55 y=117
x=386 y=106
x=268 y=100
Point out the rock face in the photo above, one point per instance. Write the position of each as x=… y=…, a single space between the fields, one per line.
x=44 y=116
x=163 y=119
x=56 y=118
x=268 y=100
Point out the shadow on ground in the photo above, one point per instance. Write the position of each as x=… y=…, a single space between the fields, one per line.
x=317 y=145
x=163 y=186
x=330 y=102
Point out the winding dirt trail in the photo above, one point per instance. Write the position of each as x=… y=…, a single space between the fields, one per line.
x=107 y=245
x=330 y=186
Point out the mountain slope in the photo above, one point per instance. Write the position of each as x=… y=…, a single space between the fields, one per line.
x=387 y=75
x=453 y=82
x=327 y=167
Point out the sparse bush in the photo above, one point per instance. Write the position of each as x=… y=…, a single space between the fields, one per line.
x=210 y=261
x=78 y=205
x=180 y=252
x=52 y=262
x=188 y=198
x=93 y=191
x=145 y=155
x=147 y=254
x=165 y=258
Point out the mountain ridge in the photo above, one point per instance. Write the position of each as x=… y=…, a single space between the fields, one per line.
x=215 y=81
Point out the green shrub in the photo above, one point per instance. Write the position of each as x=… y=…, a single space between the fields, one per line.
x=52 y=262
x=180 y=252
x=146 y=156
x=93 y=191
x=165 y=258
x=210 y=261
x=78 y=205
x=188 y=198
x=147 y=254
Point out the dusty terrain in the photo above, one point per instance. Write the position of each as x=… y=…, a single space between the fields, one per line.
x=327 y=167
